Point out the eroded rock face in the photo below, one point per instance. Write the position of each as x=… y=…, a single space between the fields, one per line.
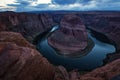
x=23 y=63
x=107 y=23
x=62 y=74
x=20 y=61
x=107 y=72
x=71 y=37
x=104 y=73
x=28 y=24
x=16 y=38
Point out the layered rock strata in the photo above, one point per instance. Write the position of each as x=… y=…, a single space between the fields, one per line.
x=71 y=36
x=20 y=61
x=28 y=24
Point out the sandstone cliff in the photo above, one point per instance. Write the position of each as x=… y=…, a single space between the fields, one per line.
x=20 y=61
x=28 y=24
x=71 y=37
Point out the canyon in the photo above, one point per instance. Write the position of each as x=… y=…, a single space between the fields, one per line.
x=71 y=37
x=20 y=60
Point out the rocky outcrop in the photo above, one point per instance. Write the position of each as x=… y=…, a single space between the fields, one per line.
x=62 y=74
x=15 y=38
x=20 y=61
x=106 y=72
x=71 y=36
x=28 y=24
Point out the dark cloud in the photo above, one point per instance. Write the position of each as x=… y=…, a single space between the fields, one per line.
x=84 y=1
x=41 y=6
x=24 y=3
x=19 y=3
x=14 y=5
x=63 y=2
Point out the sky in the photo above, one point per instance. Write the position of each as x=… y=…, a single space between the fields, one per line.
x=43 y=5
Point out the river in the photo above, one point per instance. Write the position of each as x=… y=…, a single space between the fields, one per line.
x=89 y=61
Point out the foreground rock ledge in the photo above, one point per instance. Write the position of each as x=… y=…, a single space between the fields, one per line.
x=104 y=73
x=15 y=38
x=71 y=37
x=20 y=61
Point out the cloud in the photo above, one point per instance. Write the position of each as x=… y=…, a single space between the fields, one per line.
x=4 y=5
x=5 y=2
x=108 y=5
x=63 y=2
x=29 y=5
x=37 y=2
x=37 y=5
x=76 y=6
